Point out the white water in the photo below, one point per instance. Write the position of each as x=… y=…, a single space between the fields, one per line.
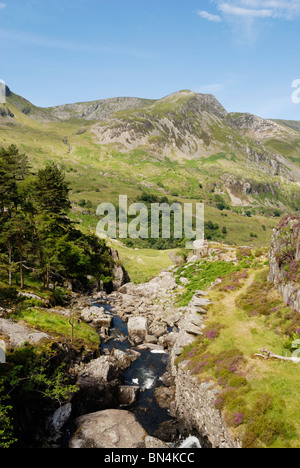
x=190 y=442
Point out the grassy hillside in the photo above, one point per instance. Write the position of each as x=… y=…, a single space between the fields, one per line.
x=184 y=147
x=258 y=398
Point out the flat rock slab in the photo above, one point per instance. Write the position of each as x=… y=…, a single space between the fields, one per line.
x=20 y=334
x=110 y=429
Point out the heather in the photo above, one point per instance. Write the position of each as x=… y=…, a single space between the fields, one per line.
x=258 y=399
x=201 y=275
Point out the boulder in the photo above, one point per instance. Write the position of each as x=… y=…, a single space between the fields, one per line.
x=101 y=369
x=110 y=429
x=56 y=422
x=97 y=317
x=137 y=329
x=153 y=443
x=164 y=396
x=98 y=384
x=128 y=394
x=124 y=360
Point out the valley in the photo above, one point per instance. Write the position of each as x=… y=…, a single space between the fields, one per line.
x=185 y=147
x=143 y=343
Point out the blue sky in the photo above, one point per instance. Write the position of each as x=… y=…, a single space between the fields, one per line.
x=245 y=52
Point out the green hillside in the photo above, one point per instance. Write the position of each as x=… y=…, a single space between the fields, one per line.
x=185 y=147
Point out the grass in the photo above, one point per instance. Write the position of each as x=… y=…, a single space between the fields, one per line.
x=201 y=275
x=100 y=173
x=143 y=264
x=240 y=323
x=58 y=326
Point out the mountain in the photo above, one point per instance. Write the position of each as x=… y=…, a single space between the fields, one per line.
x=185 y=146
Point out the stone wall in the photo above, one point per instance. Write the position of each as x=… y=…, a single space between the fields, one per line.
x=195 y=401
x=285 y=260
x=195 y=404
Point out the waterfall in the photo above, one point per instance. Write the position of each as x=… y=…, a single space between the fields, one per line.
x=190 y=442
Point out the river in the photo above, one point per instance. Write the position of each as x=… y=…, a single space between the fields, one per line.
x=145 y=372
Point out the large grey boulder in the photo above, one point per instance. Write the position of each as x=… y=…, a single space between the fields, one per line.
x=110 y=429
x=101 y=369
x=98 y=384
x=137 y=329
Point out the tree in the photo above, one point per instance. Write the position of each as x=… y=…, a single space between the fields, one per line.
x=52 y=191
x=14 y=237
x=13 y=169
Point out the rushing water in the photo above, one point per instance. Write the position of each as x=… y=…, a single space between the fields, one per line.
x=145 y=372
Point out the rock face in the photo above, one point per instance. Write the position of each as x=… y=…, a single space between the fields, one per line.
x=120 y=275
x=111 y=429
x=285 y=260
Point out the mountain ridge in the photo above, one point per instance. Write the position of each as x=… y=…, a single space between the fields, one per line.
x=186 y=145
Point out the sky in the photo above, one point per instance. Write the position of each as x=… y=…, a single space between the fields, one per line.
x=245 y=52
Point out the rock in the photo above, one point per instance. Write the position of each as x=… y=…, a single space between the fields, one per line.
x=101 y=369
x=153 y=443
x=195 y=404
x=168 y=380
x=151 y=339
x=137 y=329
x=177 y=259
x=184 y=281
x=164 y=396
x=193 y=259
x=284 y=269
x=152 y=347
x=97 y=316
x=168 y=340
x=128 y=394
x=58 y=420
x=120 y=275
x=20 y=334
x=124 y=360
x=194 y=329
x=158 y=330
x=111 y=429
x=98 y=384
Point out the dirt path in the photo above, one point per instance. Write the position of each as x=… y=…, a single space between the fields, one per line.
x=229 y=300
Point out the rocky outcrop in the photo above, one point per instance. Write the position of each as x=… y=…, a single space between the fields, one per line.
x=18 y=334
x=120 y=275
x=285 y=260
x=111 y=429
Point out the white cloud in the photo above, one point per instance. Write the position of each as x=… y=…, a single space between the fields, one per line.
x=233 y=10
x=253 y=10
x=209 y=16
x=2 y=6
